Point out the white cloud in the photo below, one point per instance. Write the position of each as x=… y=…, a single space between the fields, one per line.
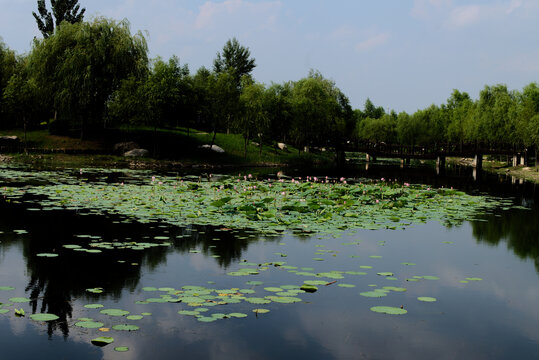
x=515 y=4
x=426 y=9
x=464 y=15
x=212 y=14
x=372 y=42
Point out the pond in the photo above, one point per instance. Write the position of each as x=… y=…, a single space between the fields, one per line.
x=134 y=264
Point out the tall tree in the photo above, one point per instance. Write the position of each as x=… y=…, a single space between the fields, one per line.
x=62 y=10
x=82 y=65
x=235 y=59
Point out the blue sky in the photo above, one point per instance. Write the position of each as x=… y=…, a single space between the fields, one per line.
x=403 y=54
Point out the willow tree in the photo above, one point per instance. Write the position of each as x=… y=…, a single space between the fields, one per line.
x=61 y=10
x=322 y=115
x=81 y=65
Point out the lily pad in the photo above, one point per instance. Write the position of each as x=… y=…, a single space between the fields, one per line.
x=426 y=299
x=93 y=306
x=44 y=317
x=19 y=300
x=103 y=340
x=6 y=288
x=125 y=327
x=89 y=324
x=121 y=349
x=49 y=255
x=114 y=312
x=389 y=310
x=261 y=311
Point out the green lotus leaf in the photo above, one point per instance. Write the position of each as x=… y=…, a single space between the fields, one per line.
x=114 y=312
x=426 y=299
x=19 y=300
x=389 y=310
x=93 y=306
x=103 y=340
x=261 y=311
x=49 y=255
x=89 y=324
x=125 y=327
x=44 y=317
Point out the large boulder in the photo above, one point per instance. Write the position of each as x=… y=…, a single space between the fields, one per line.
x=123 y=147
x=9 y=143
x=137 y=153
x=213 y=148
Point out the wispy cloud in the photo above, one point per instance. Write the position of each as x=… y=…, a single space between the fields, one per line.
x=372 y=42
x=212 y=13
x=464 y=15
x=426 y=9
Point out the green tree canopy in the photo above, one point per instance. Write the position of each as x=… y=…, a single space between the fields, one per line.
x=81 y=65
x=62 y=10
x=235 y=59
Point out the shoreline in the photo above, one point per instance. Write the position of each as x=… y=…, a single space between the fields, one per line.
x=528 y=173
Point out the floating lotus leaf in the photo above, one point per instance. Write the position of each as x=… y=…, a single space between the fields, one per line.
x=284 y=299
x=93 y=306
x=125 y=327
x=89 y=324
x=6 y=288
x=346 y=285
x=426 y=299
x=385 y=273
x=207 y=319
x=121 y=349
x=4 y=311
x=149 y=288
x=49 y=255
x=237 y=315
x=309 y=288
x=95 y=290
x=114 y=312
x=389 y=310
x=474 y=279
x=44 y=317
x=373 y=294
x=261 y=311
x=102 y=341
x=19 y=300
x=135 y=317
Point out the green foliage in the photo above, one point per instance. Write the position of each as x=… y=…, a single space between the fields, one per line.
x=235 y=59
x=62 y=10
x=81 y=65
x=321 y=113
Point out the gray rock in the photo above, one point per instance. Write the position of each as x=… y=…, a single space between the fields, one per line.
x=213 y=148
x=137 y=153
x=123 y=147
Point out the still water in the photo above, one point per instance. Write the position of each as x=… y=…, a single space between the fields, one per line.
x=495 y=317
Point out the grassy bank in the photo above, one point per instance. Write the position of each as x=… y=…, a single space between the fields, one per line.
x=167 y=147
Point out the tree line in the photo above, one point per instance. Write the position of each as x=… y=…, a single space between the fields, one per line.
x=95 y=75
